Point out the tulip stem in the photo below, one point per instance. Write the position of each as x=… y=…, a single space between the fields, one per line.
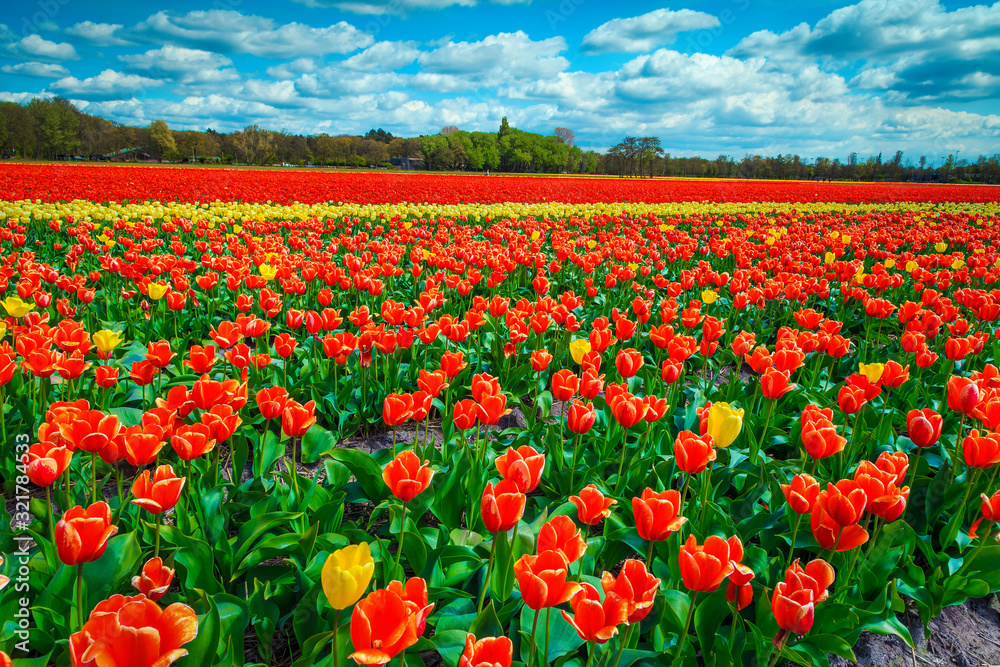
x=548 y=631
x=958 y=442
x=623 y=642
x=402 y=532
x=534 y=629
x=590 y=650
x=79 y=595
x=576 y=452
x=982 y=543
x=916 y=464
x=649 y=555
x=335 y=659
x=156 y=544
x=707 y=487
x=795 y=533
x=52 y=515
x=489 y=571
x=687 y=630
x=93 y=474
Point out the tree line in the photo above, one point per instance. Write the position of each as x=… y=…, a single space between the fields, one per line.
x=54 y=128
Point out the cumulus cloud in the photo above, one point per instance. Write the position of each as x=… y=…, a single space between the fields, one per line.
x=383 y=56
x=230 y=31
x=491 y=61
x=38 y=48
x=98 y=34
x=397 y=7
x=182 y=64
x=640 y=34
x=916 y=49
x=42 y=70
x=107 y=85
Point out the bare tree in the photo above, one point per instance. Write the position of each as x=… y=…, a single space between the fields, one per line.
x=255 y=143
x=449 y=129
x=566 y=134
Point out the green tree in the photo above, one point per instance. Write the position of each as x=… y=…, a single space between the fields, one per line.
x=161 y=139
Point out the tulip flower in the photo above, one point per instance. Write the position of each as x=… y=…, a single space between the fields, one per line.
x=154 y=580
x=5 y=660
x=406 y=476
x=487 y=652
x=636 y=586
x=693 y=453
x=465 y=414
x=981 y=451
x=540 y=360
x=46 y=462
x=591 y=505
x=297 y=419
x=158 y=493
x=522 y=466
x=594 y=620
x=82 y=534
x=134 y=631
x=560 y=534
x=192 y=441
x=629 y=362
x=724 y=424
x=577 y=348
x=502 y=506
x=271 y=402
x=542 y=580
x=389 y=621
x=491 y=408
x=564 y=385
x=794 y=599
x=657 y=515
x=775 y=384
x=704 y=567
x=346 y=574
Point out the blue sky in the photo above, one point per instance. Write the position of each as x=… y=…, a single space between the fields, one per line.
x=816 y=78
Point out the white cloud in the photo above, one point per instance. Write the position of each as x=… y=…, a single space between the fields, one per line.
x=397 y=7
x=36 y=47
x=98 y=34
x=291 y=69
x=383 y=56
x=232 y=32
x=42 y=70
x=182 y=65
x=491 y=61
x=107 y=85
x=644 y=33
x=915 y=49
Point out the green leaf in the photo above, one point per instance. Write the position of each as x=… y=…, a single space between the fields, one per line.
x=708 y=616
x=365 y=470
x=450 y=644
x=316 y=441
x=119 y=562
x=676 y=606
x=202 y=649
x=486 y=623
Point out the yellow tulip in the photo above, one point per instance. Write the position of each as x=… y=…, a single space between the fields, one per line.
x=941 y=246
x=268 y=271
x=829 y=258
x=17 y=308
x=890 y=263
x=346 y=575
x=846 y=239
x=724 y=424
x=578 y=348
x=157 y=291
x=871 y=371
x=107 y=340
x=912 y=266
x=709 y=296
x=3 y=329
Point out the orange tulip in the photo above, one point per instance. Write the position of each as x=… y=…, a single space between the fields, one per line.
x=981 y=451
x=406 y=477
x=522 y=466
x=271 y=402
x=581 y=417
x=133 y=631
x=801 y=493
x=154 y=580
x=82 y=534
x=90 y=431
x=704 y=567
x=159 y=354
x=191 y=441
x=794 y=599
x=396 y=409
x=502 y=506
x=492 y=408
x=542 y=580
x=963 y=395
x=297 y=419
x=389 y=621
x=465 y=414
x=923 y=427
x=693 y=453
x=628 y=410
x=774 y=384
x=159 y=493
x=487 y=652
x=540 y=360
x=46 y=462
x=143 y=443
x=636 y=586
x=565 y=384
x=657 y=514
x=452 y=364
x=592 y=506
x=831 y=535
x=628 y=362
x=594 y=620
x=560 y=534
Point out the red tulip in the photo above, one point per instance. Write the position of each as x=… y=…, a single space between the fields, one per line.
x=406 y=477
x=560 y=534
x=502 y=506
x=542 y=580
x=704 y=567
x=592 y=506
x=82 y=534
x=154 y=580
x=159 y=493
x=657 y=514
x=522 y=466
x=593 y=619
x=636 y=586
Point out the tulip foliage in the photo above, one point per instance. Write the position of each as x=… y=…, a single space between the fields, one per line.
x=492 y=433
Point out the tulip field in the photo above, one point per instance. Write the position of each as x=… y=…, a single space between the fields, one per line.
x=258 y=417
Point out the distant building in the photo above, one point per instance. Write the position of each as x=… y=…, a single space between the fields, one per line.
x=407 y=163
